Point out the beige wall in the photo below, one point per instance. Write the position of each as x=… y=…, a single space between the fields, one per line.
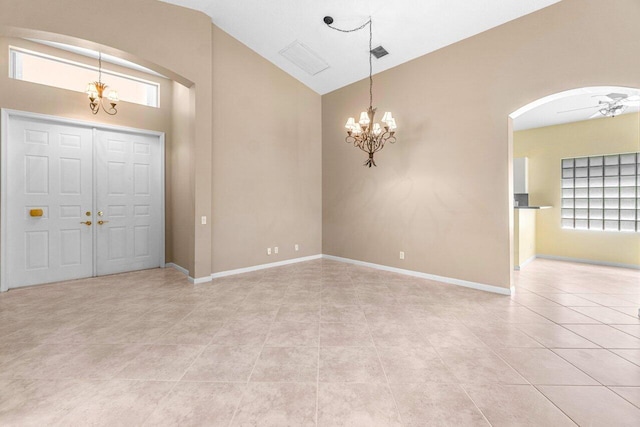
x=172 y=40
x=545 y=147
x=442 y=193
x=266 y=160
x=261 y=162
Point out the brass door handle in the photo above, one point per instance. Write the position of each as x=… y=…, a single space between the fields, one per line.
x=102 y=222
x=87 y=223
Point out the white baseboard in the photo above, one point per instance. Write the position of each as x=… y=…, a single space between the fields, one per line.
x=184 y=271
x=177 y=267
x=452 y=281
x=449 y=280
x=263 y=266
x=589 y=261
x=524 y=264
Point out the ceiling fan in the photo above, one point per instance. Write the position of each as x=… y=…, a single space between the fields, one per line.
x=614 y=105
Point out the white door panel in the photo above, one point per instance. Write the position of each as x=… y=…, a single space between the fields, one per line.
x=128 y=194
x=72 y=173
x=49 y=167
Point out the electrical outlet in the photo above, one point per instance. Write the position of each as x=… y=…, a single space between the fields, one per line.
x=296 y=247
x=275 y=250
x=401 y=255
x=203 y=220
x=268 y=251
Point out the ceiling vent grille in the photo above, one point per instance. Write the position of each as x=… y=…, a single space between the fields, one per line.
x=379 y=52
x=305 y=58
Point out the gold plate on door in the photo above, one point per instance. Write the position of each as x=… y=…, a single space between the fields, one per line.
x=36 y=212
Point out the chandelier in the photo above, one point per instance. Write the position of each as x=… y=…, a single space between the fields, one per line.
x=96 y=90
x=366 y=134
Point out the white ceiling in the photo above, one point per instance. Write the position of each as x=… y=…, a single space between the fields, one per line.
x=556 y=109
x=406 y=28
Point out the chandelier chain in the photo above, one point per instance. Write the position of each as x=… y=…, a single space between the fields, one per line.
x=99 y=67
x=370 y=24
x=370 y=63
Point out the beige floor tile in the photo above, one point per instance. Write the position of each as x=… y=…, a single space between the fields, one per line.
x=452 y=336
x=604 y=366
x=277 y=405
x=632 y=356
x=542 y=366
x=369 y=405
x=605 y=336
x=197 y=332
x=286 y=364
x=350 y=365
x=608 y=315
x=223 y=363
x=555 y=336
x=479 y=366
x=502 y=336
x=414 y=365
x=106 y=327
x=345 y=334
x=564 y=315
x=632 y=394
x=336 y=313
x=292 y=334
x=521 y=315
x=629 y=311
x=593 y=406
x=607 y=300
x=309 y=313
x=15 y=350
x=532 y=300
x=117 y=402
x=242 y=332
x=197 y=404
x=568 y=300
x=516 y=405
x=387 y=334
x=39 y=402
x=629 y=329
x=436 y=405
x=160 y=362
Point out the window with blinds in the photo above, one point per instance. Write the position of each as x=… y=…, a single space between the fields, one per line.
x=601 y=193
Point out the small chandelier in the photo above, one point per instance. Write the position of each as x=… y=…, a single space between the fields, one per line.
x=95 y=91
x=367 y=135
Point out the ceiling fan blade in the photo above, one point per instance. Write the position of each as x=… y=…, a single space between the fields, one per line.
x=578 y=109
x=596 y=114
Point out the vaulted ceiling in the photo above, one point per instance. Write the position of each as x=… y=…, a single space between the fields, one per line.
x=407 y=29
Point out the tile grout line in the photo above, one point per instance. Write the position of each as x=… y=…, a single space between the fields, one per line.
x=257 y=359
x=375 y=347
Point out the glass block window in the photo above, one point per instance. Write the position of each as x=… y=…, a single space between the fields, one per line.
x=601 y=193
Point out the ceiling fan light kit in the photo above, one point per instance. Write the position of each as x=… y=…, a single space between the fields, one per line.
x=366 y=134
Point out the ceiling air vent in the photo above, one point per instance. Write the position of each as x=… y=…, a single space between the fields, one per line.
x=379 y=52
x=304 y=58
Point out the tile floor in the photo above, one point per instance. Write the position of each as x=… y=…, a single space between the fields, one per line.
x=323 y=343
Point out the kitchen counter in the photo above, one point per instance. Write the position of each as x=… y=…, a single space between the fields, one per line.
x=532 y=207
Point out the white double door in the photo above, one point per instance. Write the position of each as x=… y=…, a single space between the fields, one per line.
x=81 y=202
